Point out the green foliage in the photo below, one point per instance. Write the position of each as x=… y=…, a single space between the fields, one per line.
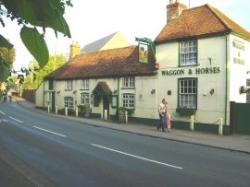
x=186 y=111
x=36 y=76
x=84 y=107
x=6 y=61
x=32 y=15
x=35 y=43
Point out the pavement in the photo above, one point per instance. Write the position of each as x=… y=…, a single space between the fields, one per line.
x=235 y=142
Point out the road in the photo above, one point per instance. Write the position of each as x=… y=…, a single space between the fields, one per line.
x=54 y=151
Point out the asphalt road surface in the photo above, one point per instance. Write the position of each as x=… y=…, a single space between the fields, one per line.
x=54 y=151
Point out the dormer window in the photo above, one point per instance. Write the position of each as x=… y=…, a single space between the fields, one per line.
x=188 y=53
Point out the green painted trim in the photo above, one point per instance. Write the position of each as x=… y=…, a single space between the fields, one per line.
x=200 y=127
x=144 y=121
x=178 y=83
x=118 y=93
x=226 y=82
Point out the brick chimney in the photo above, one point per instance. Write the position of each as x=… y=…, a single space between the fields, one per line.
x=174 y=9
x=74 y=50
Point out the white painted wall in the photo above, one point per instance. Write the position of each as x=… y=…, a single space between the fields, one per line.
x=209 y=107
x=238 y=72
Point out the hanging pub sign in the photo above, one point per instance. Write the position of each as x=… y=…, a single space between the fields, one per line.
x=143 y=53
x=144 y=45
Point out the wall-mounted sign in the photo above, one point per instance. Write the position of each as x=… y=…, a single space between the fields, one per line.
x=191 y=71
x=239 y=45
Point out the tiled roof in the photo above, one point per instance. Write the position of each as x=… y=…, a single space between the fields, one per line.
x=105 y=64
x=200 y=21
x=98 y=44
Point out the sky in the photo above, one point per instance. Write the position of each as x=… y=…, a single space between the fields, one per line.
x=90 y=20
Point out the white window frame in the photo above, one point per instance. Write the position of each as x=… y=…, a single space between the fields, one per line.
x=128 y=100
x=69 y=102
x=188 y=53
x=69 y=85
x=85 y=84
x=188 y=93
x=85 y=98
x=128 y=82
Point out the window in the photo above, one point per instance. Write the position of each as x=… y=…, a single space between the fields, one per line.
x=248 y=83
x=128 y=100
x=69 y=85
x=248 y=96
x=187 y=93
x=188 y=53
x=248 y=91
x=68 y=102
x=85 y=98
x=51 y=84
x=85 y=84
x=128 y=82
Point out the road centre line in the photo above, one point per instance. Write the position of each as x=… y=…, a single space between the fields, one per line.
x=55 y=133
x=138 y=157
x=17 y=120
x=1 y=112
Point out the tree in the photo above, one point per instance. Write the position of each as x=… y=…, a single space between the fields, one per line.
x=34 y=16
x=6 y=61
x=36 y=76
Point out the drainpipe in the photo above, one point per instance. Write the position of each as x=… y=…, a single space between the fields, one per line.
x=226 y=88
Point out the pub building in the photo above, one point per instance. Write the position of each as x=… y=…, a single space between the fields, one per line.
x=199 y=62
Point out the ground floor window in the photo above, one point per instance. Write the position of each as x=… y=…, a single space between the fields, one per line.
x=248 y=96
x=85 y=99
x=68 y=102
x=187 y=93
x=128 y=100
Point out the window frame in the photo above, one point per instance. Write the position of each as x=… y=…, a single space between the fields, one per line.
x=69 y=85
x=66 y=101
x=84 y=84
x=128 y=83
x=188 y=53
x=128 y=104
x=84 y=99
x=187 y=89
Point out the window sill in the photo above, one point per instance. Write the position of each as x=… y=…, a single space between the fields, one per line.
x=128 y=88
x=183 y=66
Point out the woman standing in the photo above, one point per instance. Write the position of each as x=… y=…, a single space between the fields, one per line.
x=168 y=117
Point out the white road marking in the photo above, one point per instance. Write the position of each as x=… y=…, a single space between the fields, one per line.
x=1 y=112
x=138 y=157
x=55 y=133
x=17 y=120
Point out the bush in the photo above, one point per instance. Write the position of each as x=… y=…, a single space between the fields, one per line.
x=186 y=111
x=71 y=112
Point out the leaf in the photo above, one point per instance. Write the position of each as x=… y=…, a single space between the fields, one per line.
x=5 y=43
x=44 y=13
x=36 y=44
x=4 y=72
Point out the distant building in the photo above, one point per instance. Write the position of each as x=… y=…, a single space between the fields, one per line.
x=115 y=40
x=201 y=64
